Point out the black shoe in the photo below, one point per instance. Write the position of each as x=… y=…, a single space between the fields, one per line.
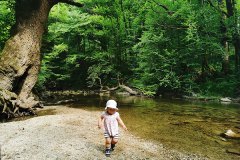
x=112 y=147
x=107 y=152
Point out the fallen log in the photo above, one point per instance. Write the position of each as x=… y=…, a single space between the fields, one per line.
x=128 y=89
x=122 y=86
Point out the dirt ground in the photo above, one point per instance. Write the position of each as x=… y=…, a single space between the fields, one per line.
x=73 y=134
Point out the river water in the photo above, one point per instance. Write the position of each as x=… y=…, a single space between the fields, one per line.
x=190 y=127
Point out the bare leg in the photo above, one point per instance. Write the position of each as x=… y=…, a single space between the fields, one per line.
x=108 y=146
x=114 y=140
x=108 y=142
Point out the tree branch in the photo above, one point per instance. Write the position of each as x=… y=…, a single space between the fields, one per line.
x=219 y=10
x=165 y=26
x=71 y=2
x=162 y=6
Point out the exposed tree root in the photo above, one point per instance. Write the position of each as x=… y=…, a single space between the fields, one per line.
x=11 y=106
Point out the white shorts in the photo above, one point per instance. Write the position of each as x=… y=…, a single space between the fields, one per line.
x=107 y=135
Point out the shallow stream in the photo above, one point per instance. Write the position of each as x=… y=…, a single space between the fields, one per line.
x=188 y=126
x=192 y=127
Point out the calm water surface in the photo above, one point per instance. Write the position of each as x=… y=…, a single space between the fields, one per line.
x=192 y=127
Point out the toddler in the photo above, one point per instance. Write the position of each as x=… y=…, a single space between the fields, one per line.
x=109 y=121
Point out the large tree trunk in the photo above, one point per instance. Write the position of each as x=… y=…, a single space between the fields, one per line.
x=20 y=58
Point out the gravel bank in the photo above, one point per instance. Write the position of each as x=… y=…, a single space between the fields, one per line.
x=73 y=134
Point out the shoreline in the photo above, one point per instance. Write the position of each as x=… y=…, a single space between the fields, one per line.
x=72 y=134
x=200 y=98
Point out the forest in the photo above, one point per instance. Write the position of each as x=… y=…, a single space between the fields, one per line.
x=157 y=47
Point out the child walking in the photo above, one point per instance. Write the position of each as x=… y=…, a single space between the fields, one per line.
x=109 y=120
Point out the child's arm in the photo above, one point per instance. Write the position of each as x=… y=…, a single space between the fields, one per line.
x=121 y=123
x=100 y=122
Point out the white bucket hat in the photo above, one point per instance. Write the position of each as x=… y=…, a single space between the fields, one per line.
x=111 y=104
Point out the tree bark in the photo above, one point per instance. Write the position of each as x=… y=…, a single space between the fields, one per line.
x=224 y=40
x=237 y=51
x=205 y=65
x=225 y=63
x=236 y=35
x=20 y=58
x=232 y=12
x=122 y=86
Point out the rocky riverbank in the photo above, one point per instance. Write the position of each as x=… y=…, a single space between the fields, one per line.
x=73 y=134
x=66 y=96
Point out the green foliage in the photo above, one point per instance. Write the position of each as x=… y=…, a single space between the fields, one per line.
x=156 y=46
x=6 y=20
x=102 y=43
x=178 y=49
x=128 y=40
x=221 y=86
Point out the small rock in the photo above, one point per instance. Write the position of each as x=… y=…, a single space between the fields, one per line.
x=223 y=139
x=226 y=99
x=230 y=134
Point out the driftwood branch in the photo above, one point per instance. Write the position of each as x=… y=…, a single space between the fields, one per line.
x=128 y=89
x=119 y=85
x=122 y=86
x=113 y=88
x=107 y=89
x=71 y=2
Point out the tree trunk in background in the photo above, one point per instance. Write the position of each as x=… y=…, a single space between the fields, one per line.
x=236 y=35
x=232 y=12
x=224 y=40
x=237 y=51
x=225 y=63
x=124 y=18
x=205 y=66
